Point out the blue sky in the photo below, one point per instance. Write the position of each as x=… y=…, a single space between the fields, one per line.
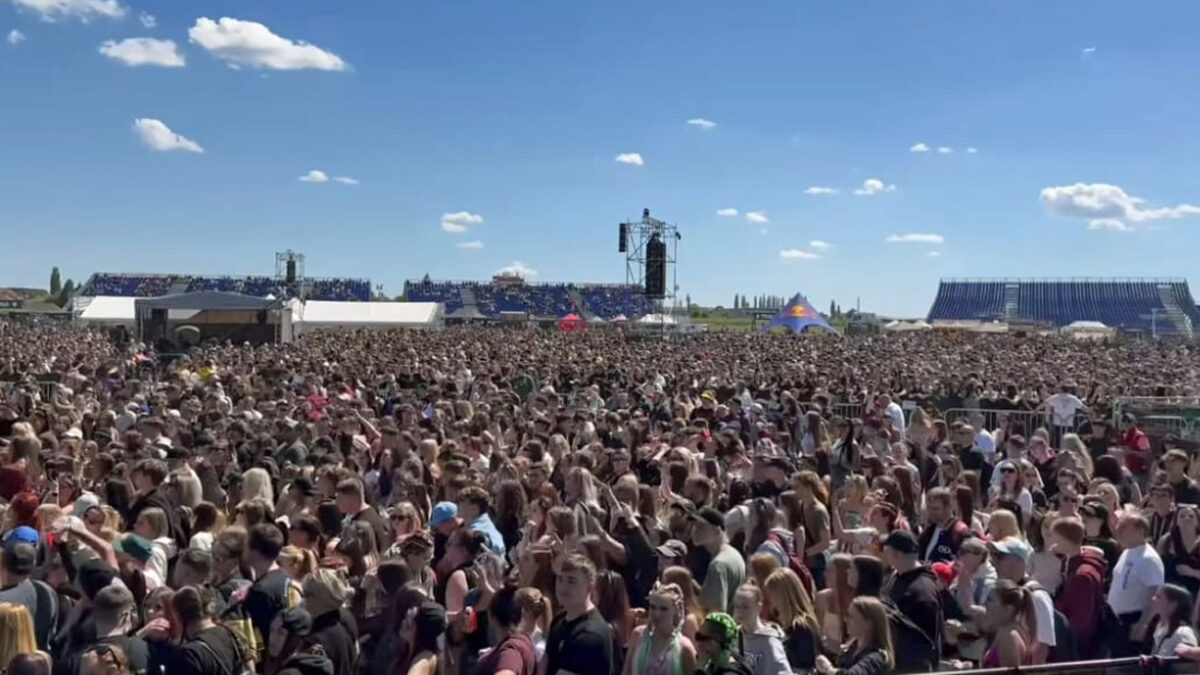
x=1084 y=117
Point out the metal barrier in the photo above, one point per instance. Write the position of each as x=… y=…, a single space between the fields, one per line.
x=1138 y=665
x=1029 y=420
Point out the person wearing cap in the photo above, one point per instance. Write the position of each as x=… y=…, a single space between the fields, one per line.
x=1138 y=574
x=914 y=590
x=18 y=588
x=727 y=568
x=326 y=594
x=1010 y=557
x=290 y=651
x=1081 y=597
x=672 y=552
x=443 y=521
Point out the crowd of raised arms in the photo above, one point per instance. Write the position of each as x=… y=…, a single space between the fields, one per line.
x=523 y=502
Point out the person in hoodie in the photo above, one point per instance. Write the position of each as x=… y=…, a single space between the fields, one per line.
x=1081 y=597
x=762 y=643
x=325 y=594
x=290 y=652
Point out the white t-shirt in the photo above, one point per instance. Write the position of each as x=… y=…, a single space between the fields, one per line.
x=1063 y=408
x=1138 y=573
x=1164 y=645
x=1043 y=609
x=896 y=414
x=986 y=444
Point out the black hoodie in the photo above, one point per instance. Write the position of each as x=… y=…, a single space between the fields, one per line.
x=337 y=634
x=307 y=663
x=917 y=595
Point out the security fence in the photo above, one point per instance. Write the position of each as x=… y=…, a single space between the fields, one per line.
x=1138 y=665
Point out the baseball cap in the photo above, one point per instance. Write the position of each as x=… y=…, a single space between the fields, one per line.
x=710 y=516
x=672 y=548
x=443 y=513
x=902 y=542
x=20 y=558
x=134 y=546
x=1010 y=546
x=23 y=534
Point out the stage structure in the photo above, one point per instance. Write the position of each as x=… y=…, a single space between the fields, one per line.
x=651 y=248
x=289 y=270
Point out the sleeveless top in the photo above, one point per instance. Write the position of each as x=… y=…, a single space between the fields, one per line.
x=667 y=663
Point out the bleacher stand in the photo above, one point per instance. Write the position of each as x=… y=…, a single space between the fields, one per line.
x=152 y=285
x=541 y=300
x=1161 y=306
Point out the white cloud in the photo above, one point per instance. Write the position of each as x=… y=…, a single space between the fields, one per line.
x=727 y=212
x=819 y=245
x=934 y=254
x=1104 y=205
x=463 y=218
x=757 y=217
x=84 y=10
x=345 y=180
x=702 y=123
x=315 y=176
x=453 y=228
x=820 y=190
x=916 y=238
x=919 y=147
x=1109 y=224
x=797 y=254
x=943 y=150
x=474 y=245
x=144 y=51
x=158 y=136
x=873 y=186
x=634 y=158
x=250 y=43
x=1088 y=51
x=147 y=20
x=972 y=151
x=518 y=268
x=15 y=37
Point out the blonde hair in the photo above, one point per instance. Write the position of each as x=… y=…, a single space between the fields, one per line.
x=302 y=560
x=47 y=514
x=256 y=484
x=157 y=519
x=763 y=565
x=874 y=613
x=1003 y=523
x=16 y=632
x=534 y=602
x=674 y=594
x=325 y=587
x=789 y=601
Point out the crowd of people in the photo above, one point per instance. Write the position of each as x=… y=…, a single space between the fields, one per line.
x=525 y=502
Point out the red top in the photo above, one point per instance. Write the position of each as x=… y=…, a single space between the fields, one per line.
x=1137 y=450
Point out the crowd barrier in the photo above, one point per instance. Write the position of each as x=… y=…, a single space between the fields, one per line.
x=1138 y=665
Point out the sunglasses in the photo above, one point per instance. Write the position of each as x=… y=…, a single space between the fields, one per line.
x=701 y=637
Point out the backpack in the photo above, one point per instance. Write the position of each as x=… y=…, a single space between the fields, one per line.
x=915 y=650
x=46 y=619
x=795 y=562
x=1064 y=638
x=238 y=645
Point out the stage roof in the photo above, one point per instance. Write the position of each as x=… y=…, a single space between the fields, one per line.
x=327 y=313
x=208 y=300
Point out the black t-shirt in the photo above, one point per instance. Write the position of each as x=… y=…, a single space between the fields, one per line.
x=135 y=650
x=267 y=597
x=214 y=651
x=1186 y=491
x=584 y=646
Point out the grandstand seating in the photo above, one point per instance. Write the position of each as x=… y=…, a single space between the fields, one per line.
x=1164 y=306
x=152 y=285
x=543 y=300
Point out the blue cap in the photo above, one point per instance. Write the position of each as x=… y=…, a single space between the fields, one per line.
x=22 y=535
x=443 y=513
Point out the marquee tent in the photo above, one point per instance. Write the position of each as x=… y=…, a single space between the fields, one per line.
x=571 y=323
x=798 y=316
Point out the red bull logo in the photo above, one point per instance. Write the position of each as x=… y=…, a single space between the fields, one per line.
x=798 y=311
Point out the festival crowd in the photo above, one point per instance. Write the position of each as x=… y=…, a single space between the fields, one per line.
x=521 y=502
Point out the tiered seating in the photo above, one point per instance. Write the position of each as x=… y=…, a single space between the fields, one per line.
x=969 y=300
x=151 y=285
x=1127 y=305
x=542 y=300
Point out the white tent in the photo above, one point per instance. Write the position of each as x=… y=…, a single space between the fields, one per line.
x=1094 y=330
x=905 y=326
x=657 y=319
x=106 y=309
x=316 y=314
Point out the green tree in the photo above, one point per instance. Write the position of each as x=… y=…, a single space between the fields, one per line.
x=65 y=294
x=55 y=282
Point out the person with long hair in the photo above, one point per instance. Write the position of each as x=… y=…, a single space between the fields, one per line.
x=1098 y=531
x=1011 y=487
x=1180 y=549
x=682 y=578
x=523 y=615
x=833 y=601
x=844 y=456
x=814 y=518
x=1003 y=524
x=869 y=650
x=1172 y=609
x=789 y=606
x=762 y=642
x=1012 y=620
x=658 y=647
x=612 y=601
x=16 y=632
